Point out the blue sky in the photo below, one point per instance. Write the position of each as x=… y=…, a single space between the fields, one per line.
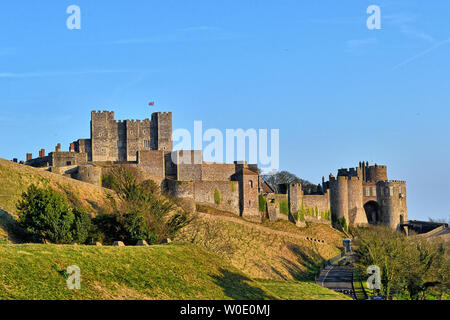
x=338 y=92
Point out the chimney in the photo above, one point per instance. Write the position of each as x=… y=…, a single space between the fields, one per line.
x=29 y=156
x=41 y=153
x=72 y=147
x=58 y=147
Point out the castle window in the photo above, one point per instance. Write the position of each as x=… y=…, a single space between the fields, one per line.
x=69 y=163
x=374 y=192
x=147 y=144
x=391 y=191
x=367 y=192
x=249 y=203
x=250 y=183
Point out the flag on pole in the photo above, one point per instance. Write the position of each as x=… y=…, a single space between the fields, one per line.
x=152 y=103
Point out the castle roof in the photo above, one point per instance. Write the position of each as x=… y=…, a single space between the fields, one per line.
x=245 y=171
x=266 y=188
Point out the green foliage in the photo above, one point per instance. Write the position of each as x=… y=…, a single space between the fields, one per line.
x=143 y=214
x=411 y=268
x=82 y=225
x=45 y=215
x=326 y=215
x=284 y=206
x=300 y=215
x=343 y=223
x=262 y=203
x=216 y=196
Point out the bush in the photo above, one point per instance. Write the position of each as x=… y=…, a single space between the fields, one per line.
x=144 y=214
x=262 y=203
x=343 y=223
x=284 y=207
x=410 y=267
x=216 y=196
x=46 y=215
x=82 y=227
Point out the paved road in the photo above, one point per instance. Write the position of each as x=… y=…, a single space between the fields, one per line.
x=338 y=278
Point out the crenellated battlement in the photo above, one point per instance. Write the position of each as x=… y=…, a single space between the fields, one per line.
x=102 y=113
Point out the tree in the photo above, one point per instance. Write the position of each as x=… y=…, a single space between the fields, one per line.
x=143 y=214
x=285 y=177
x=410 y=267
x=82 y=226
x=46 y=215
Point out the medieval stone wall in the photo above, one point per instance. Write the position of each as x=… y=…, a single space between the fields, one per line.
x=152 y=162
x=63 y=159
x=319 y=202
x=217 y=171
x=220 y=194
x=89 y=174
x=189 y=165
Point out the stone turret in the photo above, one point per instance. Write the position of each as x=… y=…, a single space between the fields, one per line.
x=392 y=200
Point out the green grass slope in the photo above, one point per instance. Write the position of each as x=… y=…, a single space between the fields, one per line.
x=15 y=179
x=175 y=271
x=156 y=272
x=292 y=290
x=260 y=250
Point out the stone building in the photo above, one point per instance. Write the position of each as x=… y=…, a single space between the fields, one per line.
x=147 y=144
x=362 y=195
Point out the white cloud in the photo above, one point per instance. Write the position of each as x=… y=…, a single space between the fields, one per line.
x=64 y=73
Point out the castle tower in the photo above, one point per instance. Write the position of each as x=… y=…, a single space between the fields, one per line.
x=356 y=213
x=295 y=198
x=392 y=199
x=339 y=198
x=374 y=173
x=104 y=136
x=161 y=131
x=248 y=193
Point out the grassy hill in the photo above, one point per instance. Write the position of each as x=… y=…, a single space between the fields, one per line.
x=265 y=251
x=16 y=178
x=217 y=256
x=175 y=271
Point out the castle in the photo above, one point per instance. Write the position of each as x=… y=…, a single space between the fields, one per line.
x=358 y=196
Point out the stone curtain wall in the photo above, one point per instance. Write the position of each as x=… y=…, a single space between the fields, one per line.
x=204 y=192
x=189 y=165
x=63 y=159
x=217 y=171
x=152 y=162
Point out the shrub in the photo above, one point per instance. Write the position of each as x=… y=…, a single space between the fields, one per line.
x=326 y=214
x=143 y=214
x=46 y=215
x=343 y=223
x=216 y=196
x=82 y=227
x=301 y=215
x=262 y=203
x=284 y=207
